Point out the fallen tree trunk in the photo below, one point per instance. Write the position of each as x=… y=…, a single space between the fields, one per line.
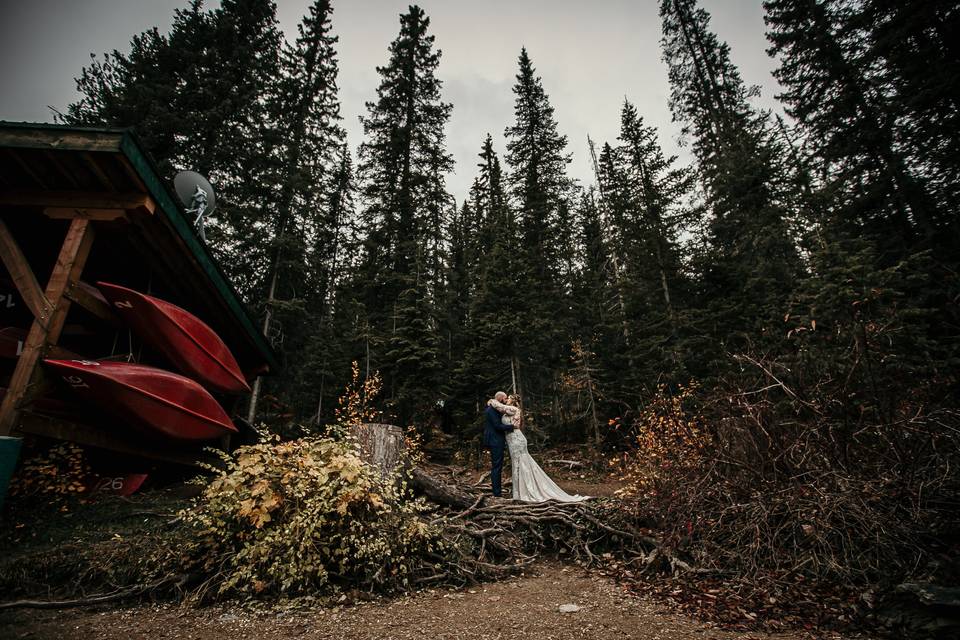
x=489 y=538
x=443 y=493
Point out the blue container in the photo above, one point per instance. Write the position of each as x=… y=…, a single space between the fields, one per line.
x=9 y=453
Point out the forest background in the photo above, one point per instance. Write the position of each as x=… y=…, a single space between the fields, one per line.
x=816 y=253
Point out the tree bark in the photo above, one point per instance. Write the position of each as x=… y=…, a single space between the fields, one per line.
x=441 y=492
x=380 y=444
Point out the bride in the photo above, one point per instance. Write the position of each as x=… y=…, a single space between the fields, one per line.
x=530 y=482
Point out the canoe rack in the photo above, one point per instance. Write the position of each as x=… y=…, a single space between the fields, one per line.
x=78 y=205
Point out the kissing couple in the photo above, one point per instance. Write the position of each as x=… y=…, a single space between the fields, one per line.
x=503 y=430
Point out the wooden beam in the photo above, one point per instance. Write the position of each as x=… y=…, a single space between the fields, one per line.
x=26 y=168
x=59 y=353
x=62 y=429
x=131 y=173
x=23 y=278
x=67 y=213
x=98 y=171
x=70 y=263
x=55 y=352
x=78 y=200
x=88 y=297
x=32 y=137
x=64 y=172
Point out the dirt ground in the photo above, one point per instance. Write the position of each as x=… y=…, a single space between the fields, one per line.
x=524 y=607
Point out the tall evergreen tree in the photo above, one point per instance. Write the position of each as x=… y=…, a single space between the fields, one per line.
x=333 y=341
x=306 y=140
x=599 y=317
x=490 y=204
x=868 y=84
x=842 y=99
x=541 y=192
x=457 y=288
x=914 y=43
x=752 y=261
x=592 y=290
x=199 y=99
x=648 y=202
x=403 y=163
x=491 y=332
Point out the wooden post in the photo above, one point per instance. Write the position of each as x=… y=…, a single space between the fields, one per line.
x=23 y=278
x=45 y=332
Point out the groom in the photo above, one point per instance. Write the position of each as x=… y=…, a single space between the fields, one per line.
x=494 y=438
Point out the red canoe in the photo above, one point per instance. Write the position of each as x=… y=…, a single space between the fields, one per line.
x=157 y=400
x=179 y=335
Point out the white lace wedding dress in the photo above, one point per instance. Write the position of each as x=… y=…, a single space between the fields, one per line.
x=530 y=482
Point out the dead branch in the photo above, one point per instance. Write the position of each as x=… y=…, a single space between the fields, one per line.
x=570 y=463
x=114 y=596
x=490 y=537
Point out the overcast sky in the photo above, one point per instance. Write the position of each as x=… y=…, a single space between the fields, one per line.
x=591 y=55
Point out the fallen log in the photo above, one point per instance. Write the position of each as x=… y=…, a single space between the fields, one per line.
x=441 y=492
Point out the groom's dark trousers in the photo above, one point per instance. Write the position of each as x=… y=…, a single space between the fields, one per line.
x=495 y=439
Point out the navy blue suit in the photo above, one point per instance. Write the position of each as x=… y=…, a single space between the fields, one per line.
x=495 y=439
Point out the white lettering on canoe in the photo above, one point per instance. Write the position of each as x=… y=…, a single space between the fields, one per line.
x=76 y=382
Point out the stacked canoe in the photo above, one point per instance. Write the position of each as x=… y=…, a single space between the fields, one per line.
x=178 y=406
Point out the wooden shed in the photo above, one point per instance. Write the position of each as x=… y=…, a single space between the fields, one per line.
x=81 y=205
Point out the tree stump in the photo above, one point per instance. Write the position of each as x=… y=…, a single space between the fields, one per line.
x=380 y=445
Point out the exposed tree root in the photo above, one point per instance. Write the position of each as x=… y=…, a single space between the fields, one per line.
x=491 y=538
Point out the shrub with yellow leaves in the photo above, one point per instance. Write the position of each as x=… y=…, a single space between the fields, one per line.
x=669 y=440
x=305 y=517
x=356 y=405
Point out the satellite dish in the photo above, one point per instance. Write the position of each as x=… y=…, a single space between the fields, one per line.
x=197 y=196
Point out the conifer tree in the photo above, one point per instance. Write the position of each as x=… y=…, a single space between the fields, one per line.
x=598 y=312
x=657 y=190
x=914 y=42
x=341 y=212
x=752 y=260
x=307 y=139
x=489 y=208
x=199 y=99
x=592 y=291
x=403 y=163
x=842 y=99
x=457 y=288
x=332 y=343
x=650 y=210
x=490 y=333
x=865 y=83
x=541 y=192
